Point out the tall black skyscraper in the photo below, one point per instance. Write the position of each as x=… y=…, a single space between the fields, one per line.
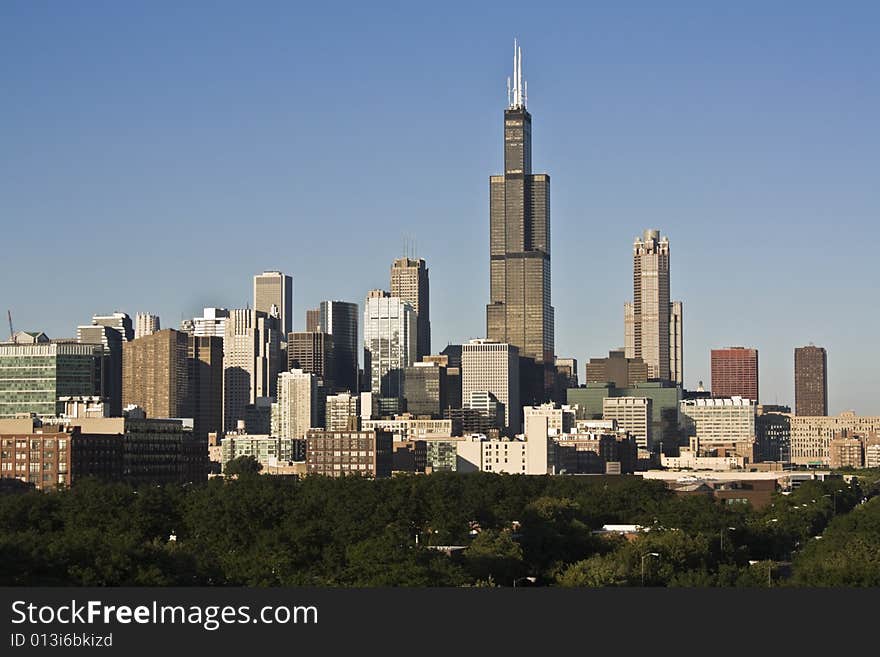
x=340 y=319
x=519 y=311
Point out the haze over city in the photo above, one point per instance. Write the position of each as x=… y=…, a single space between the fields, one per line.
x=157 y=160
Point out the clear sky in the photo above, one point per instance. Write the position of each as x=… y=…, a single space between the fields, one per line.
x=155 y=155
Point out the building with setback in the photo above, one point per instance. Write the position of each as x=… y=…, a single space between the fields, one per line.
x=519 y=312
x=272 y=288
x=652 y=323
x=490 y=366
x=390 y=337
x=410 y=282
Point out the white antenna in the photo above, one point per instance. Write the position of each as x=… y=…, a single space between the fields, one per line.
x=508 y=90
x=517 y=95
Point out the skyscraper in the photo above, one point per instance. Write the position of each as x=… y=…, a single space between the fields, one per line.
x=519 y=312
x=272 y=288
x=206 y=383
x=409 y=281
x=810 y=381
x=313 y=319
x=155 y=374
x=251 y=362
x=111 y=366
x=145 y=324
x=650 y=307
x=340 y=319
x=493 y=367
x=390 y=335
x=735 y=373
x=297 y=407
x=312 y=352
x=211 y=323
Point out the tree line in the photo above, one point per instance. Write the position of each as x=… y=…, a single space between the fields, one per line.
x=446 y=529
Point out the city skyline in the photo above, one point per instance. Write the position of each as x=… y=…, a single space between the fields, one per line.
x=581 y=332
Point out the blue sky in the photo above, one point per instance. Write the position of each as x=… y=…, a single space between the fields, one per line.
x=154 y=156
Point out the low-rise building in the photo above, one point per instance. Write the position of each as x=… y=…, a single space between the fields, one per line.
x=408 y=427
x=336 y=453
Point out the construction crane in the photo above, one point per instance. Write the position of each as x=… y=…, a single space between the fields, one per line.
x=11 y=331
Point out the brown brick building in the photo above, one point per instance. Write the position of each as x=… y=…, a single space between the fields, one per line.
x=337 y=453
x=810 y=381
x=735 y=373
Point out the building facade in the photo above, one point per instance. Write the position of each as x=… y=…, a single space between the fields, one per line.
x=424 y=388
x=251 y=362
x=810 y=381
x=519 y=312
x=720 y=420
x=410 y=282
x=298 y=404
x=34 y=376
x=339 y=453
x=155 y=374
x=272 y=288
x=632 y=414
x=493 y=367
x=340 y=319
x=212 y=323
x=205 y=364
x=145 y=324
x=735 y=373
x=811 y=435
x=617 y=369
x=312 y=352
x=342 y=412
x=390 y=338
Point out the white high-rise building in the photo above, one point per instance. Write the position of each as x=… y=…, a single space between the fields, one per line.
x=145 y=324
x=297 y=406
x=272 y=288
x=720 y=420
x=493 y=367
x=652 y=323
x=251 y=362
x=211 y=323
x=342 y=410
x=631 y=414
x=390 y=336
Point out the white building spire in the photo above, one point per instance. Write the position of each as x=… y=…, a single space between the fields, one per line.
x=516 y=96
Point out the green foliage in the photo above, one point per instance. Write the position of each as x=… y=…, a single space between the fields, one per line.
x=242 y=466
x=279 y=531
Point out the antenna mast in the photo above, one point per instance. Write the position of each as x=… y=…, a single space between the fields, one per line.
x=11 y=330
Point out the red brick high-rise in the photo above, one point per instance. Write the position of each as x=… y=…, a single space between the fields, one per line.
x=735 y=373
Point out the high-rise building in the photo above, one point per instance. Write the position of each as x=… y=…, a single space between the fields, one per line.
x=272 y=288
x=735 y=373
x=424 y=387
x=519 y=312
x=390 y=336
x=33 y=376
x=119 y=321
x=211 y=323
x=632 y=414
x=111 y=366
x=145 y=324
x=297 y=406
x=155 y=374
x=313 y=319
x=810 y=381
x=205 y=355
x=311 y=351
x=773 y=432
x=720 y=421
x=676 y=342
x=251 y=362
x=342 y=411
x=493 y=367
x=340 y=319
x=409 y=281
x=652 y=323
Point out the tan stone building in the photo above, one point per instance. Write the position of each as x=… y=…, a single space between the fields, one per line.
x=155 y=374
x=811 y=435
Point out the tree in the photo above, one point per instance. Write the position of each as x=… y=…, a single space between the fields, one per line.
x=242 y=466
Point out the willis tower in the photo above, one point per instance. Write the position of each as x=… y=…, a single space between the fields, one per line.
x=519 y=312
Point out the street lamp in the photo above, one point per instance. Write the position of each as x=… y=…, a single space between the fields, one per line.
x=644 y=556
x=732 y=529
